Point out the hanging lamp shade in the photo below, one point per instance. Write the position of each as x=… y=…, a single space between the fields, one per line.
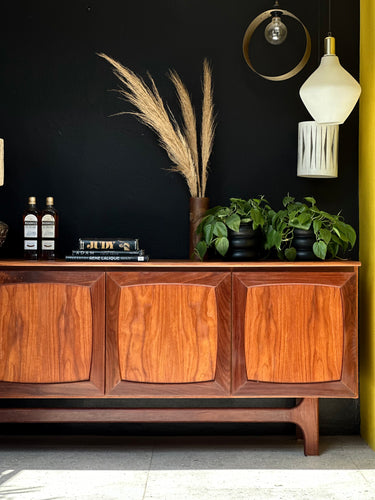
x=317 y=150
x=330 y=93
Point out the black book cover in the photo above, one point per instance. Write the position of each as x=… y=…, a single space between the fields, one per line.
x=107 y=252
x=107 y=258
x=124 y=244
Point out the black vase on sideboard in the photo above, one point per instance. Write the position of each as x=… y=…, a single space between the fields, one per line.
x=244 y=243
x=303 y=242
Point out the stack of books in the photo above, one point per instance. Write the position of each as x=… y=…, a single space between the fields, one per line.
x=108 y=250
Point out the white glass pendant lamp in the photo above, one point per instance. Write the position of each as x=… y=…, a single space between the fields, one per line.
x=330 y=93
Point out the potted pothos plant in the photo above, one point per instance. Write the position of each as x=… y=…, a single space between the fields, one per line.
x=221 y=223
x=331 y=237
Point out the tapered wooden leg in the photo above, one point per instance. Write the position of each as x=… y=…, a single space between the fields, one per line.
x=306 y=416
x=299 y=433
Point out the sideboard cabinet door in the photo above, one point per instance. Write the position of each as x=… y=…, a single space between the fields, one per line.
x=52 y=333
x=295 y=333
x=168 y=334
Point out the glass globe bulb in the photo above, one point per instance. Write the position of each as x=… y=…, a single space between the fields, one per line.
x=276 y=31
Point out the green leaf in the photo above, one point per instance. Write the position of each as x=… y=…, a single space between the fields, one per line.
x=220 y=229
x=290 y=253
x=320 y=249
x=335 y=239
x=311 y=200
x=352 y=236
x=200 y=249
x=211 y=212
x=208 y=233
x=337 y=232
x=341 y=227
x=317 y=224
x=257 y=217
x=233 y=222
x=294 y=222
x=222 y=245
x=333 y=248
x=273 y=239
x=325 y=235
x=287 y=200
x=304 y=221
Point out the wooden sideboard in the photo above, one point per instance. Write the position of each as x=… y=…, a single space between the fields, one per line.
x=178 y=329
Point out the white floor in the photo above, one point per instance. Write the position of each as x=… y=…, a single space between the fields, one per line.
x=215 y=468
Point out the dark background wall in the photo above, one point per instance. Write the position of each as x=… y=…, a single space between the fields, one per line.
x=107 y=173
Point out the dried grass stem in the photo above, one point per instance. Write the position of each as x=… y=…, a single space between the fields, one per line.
x=181 y=146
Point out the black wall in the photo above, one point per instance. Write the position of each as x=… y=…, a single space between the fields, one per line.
x=107 y=173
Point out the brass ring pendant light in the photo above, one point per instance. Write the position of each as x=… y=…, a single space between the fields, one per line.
x=250 y=31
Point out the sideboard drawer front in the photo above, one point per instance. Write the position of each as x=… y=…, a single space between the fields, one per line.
x=293 y=333
x=167 y=333
x=52 y=331
x=46 y=333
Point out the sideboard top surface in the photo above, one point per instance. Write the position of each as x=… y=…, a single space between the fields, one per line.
x=179 y=264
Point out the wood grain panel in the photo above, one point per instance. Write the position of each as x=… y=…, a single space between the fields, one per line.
x=293 y=333
x=45 y=333
x=338 y=288
x=168 y=333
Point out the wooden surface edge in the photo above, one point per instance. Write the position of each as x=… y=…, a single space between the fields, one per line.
x=176 y=263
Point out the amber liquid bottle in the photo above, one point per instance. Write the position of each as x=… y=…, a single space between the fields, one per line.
x=49 y=230
x=31 y=219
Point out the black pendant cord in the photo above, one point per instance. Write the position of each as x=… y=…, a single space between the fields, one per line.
x=329 y=18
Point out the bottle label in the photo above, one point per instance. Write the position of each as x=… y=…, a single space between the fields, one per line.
x=30 y=226
x=48 y=244
x=30 y=245
x=48 y=226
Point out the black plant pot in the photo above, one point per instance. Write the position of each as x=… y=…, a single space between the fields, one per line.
x=243 y=244
x=303 y=242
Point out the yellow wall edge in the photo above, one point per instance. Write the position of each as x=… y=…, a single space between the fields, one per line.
x=367 y=220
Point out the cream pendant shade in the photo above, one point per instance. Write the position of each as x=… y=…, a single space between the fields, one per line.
x=330 y=93
x=317 y=150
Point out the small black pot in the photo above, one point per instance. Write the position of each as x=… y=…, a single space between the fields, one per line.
x=303 y=243
x=243 y=244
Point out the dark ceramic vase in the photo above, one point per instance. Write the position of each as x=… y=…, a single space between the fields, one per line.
x=243 y=244
x=303 y=243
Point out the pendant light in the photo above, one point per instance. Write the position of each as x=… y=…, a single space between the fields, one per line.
x=276 y=32
x=330 y=93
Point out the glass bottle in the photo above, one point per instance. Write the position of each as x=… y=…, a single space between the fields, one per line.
x=31 y=219
x=49 y=230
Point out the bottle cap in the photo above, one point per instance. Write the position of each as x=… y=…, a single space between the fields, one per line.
x=49 y=200
x=32 y=200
